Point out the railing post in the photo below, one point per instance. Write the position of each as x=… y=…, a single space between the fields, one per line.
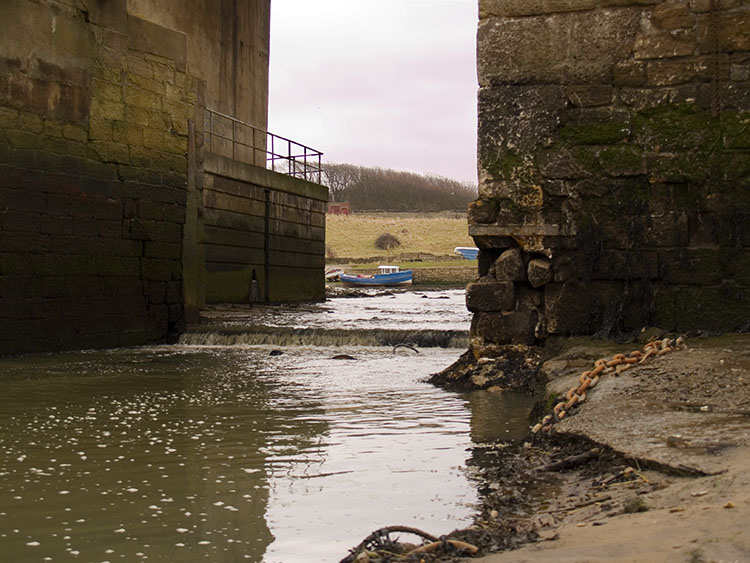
x=211 y=130
x=273 y=153
x=293 y=160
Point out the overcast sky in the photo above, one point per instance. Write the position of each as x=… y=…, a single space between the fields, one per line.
x=388 y=83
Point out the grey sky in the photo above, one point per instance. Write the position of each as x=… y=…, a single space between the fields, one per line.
x=388 y=83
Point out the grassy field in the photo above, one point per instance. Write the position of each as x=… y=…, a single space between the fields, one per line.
x=354 y=236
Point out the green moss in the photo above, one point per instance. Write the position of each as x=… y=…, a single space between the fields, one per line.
x=552 y=399
x=677 y=127
x=505 y=204
x=736 y=129
x=489 y=161
x=622 y=160
x=588 y=158
x=509 y=162
x=512 y=207
x=595 y=133
x=687 y=167
x=501 y=164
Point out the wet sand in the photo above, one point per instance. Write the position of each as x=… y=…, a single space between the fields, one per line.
x=682 y=425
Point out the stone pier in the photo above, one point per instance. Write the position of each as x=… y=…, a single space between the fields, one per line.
x=104 y=209
x=614 y=168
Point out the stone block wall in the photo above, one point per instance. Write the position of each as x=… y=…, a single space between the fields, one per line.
x=228 y=48
x=265 y=226
x=93 y=141
x=110 y=234
x=614 y=168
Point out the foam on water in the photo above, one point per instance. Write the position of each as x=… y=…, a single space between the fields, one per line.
x=227 y=453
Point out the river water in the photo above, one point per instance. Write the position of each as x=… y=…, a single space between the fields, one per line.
x=240 y=445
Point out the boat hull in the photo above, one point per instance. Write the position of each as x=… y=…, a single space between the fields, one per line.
x=397 y=279
x=468 y=252
x=333 y=275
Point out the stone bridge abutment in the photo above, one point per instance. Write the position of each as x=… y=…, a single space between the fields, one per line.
x=113 y=224
x=614 y=168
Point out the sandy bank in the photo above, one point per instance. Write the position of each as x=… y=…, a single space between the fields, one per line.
x=681 y=423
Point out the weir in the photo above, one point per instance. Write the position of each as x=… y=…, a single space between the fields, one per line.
x=224 y=447
x=285 y=336
x=382 y=319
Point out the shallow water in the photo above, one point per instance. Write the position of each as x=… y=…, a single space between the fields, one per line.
x=227 y=453
x=418 y=310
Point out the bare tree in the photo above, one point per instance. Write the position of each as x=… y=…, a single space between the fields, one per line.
x=340 y=177
x=392 y=190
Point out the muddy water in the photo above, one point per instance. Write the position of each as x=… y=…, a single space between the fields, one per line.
x=228 y=453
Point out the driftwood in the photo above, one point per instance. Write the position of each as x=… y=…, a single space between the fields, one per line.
x=455 y=544
x=572 y=461
x=581 y=505
x=405 y=345
x=377 y=537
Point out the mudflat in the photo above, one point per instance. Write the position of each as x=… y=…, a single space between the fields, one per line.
x=658 y=460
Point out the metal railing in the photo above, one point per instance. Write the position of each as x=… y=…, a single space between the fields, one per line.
x=230 y=137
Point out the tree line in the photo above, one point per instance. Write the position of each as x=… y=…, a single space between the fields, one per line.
x=383 y=189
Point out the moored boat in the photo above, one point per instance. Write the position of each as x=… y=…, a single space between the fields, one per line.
x=387 y=276
x=333 y=274
x=468 y=252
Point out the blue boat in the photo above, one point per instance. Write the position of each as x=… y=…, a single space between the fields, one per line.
x=468 y=252
x=387 y=276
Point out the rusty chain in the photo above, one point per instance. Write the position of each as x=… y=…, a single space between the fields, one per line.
x=618 y=364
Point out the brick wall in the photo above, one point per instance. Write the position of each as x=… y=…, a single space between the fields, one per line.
x=614 y=168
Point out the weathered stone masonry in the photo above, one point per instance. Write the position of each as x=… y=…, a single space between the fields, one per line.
x=102 y=204
x=93 y=144
x=614 y=168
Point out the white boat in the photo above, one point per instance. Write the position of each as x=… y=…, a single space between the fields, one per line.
x=333 y=274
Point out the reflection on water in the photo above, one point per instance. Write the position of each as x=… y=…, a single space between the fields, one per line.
x=415 y=310
x=193 y=453
x=499 y=417
x=134 y=454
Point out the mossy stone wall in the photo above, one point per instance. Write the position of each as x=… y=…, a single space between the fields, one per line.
x=101 y=178
x=94 y=108
x=613 y=147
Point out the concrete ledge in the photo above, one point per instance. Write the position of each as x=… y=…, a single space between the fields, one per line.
x=510 y=230
x=223 y=166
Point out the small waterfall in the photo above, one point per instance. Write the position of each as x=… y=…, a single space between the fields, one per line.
x=286 y=336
